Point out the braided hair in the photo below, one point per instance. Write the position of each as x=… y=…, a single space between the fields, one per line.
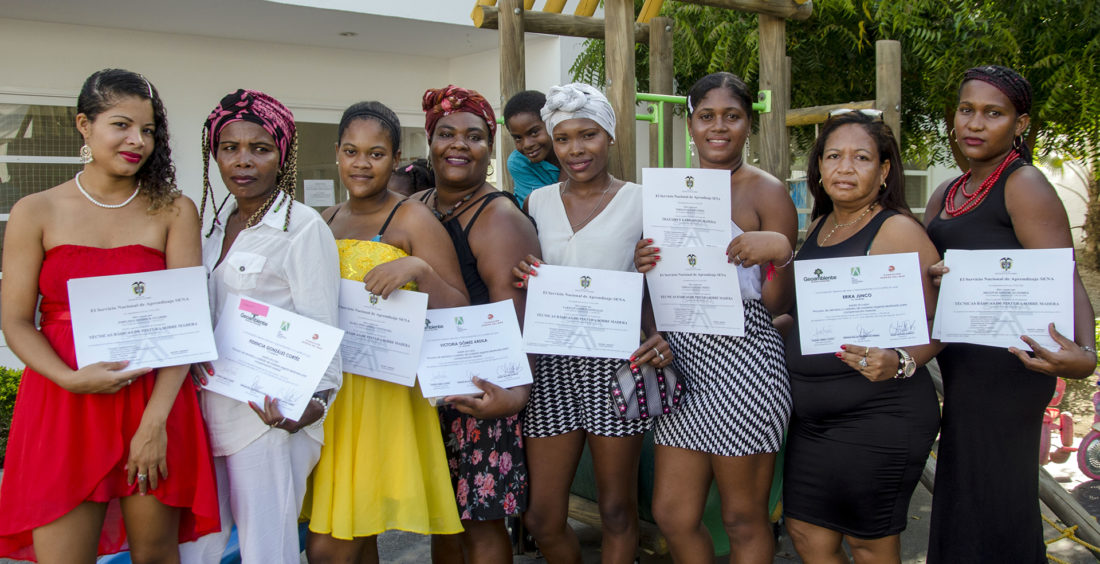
x=1014 y=86
x=156 y=179
x=259 y=108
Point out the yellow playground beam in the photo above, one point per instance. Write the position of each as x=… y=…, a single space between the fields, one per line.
x=649 y=10
x=528 y=4
x=554 y=6
x=586 y=8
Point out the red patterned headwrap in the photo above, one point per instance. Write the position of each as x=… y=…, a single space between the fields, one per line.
x=439 y=102
x=258 y=108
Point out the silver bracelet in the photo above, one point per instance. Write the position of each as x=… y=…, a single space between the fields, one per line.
x=788 y=260
x=1088 y=348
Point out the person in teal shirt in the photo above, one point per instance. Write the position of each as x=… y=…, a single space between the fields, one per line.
x=533 y=163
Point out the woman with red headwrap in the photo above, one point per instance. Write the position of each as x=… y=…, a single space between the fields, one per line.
x=88 y=444
x=490 y=234
x=256 y=248
x=985 y=507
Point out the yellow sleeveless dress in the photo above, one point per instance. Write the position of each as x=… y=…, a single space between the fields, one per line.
x=383 y=465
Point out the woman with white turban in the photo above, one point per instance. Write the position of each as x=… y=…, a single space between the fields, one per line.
x=592 y=220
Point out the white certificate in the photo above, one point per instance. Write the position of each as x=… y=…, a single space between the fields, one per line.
x=266 y=350
x=463 y=342
x=152 y=319
x=686 y=207
x=583 y=312
x=874 y=301
x=319 y=193
x=382 y=337
x=993 y=297
x=695 y=289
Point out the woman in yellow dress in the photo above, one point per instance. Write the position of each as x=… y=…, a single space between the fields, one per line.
x=383 y=465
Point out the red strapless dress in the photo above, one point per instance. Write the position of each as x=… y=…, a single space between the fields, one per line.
x=66 y=448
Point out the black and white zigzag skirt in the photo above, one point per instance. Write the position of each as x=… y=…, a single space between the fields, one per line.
x=738 y=397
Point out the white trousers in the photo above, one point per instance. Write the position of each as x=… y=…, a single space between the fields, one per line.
x=260 y=488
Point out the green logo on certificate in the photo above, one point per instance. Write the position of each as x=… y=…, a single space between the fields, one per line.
x=285 y=326
x=138 y=287
x=855 y=271
x=458 y=320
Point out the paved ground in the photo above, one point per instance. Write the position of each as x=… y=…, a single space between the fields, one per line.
x=408 y=548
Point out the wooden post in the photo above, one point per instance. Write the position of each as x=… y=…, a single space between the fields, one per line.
x=788 y=9
x=619 y=30
x=512 y=73
x=888 y=83
x=661 y=77
x=488 y=17
x=774 y=143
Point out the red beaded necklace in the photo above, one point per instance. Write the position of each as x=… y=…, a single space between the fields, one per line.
x=971 y=201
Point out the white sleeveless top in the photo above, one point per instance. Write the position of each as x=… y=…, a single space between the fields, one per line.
x=606 y=242
x=748 y=278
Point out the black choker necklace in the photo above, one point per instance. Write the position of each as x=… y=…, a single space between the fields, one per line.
x=442 y=214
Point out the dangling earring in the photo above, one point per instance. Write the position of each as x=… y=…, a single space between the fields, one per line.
x=86 y=154
x=489 y=171
x=883 y=187
x=952 y=137
x=1018 y=143
x=691 y=145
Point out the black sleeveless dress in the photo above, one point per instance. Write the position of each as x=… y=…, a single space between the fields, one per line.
x=855 y=448
x=986 y=503
x=486 y=456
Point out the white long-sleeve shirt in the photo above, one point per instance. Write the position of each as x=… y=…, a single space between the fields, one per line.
x=297 y=270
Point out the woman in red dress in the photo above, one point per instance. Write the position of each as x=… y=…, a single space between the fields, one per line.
x=108 y=457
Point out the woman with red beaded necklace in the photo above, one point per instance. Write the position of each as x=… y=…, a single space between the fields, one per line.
x=985 y=505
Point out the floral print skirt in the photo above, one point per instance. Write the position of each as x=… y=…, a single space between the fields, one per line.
x=487 y=463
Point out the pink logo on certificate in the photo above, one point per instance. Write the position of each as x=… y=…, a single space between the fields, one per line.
x=253 y=308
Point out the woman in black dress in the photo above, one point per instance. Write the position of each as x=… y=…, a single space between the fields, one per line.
x=865 y=417
x=985 y=507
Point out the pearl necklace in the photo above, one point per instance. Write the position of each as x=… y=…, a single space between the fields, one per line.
x=849 y=224
x=101 y=204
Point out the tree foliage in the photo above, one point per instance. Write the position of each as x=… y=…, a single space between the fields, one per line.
x=1054 y=43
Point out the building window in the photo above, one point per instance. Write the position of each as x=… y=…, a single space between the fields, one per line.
x=38 y=150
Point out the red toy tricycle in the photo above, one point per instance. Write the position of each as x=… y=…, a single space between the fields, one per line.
x=1055 y=419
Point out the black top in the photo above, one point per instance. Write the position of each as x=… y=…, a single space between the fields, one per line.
x=467 y=262
x=987 y=226
x=826 y=364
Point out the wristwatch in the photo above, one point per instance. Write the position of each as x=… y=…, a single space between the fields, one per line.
x=906 y=365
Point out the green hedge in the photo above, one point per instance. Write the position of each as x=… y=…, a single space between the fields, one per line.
x=9 y=386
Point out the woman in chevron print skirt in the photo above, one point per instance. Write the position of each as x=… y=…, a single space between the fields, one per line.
x=735 y=410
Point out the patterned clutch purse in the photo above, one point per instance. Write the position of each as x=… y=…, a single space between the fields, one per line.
x=645 y=391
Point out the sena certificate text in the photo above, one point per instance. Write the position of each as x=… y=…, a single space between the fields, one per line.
x=992 y=297
x=382 y=337
x=152 y=319
x=583 y=312
x=686 y=207
x=695 y=290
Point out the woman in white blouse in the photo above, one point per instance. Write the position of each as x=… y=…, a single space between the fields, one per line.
x=592 y=219
x=257 y=248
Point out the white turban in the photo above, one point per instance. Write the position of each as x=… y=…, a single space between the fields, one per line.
x=578 y=100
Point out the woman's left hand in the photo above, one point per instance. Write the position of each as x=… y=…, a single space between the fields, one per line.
x=873 y=363
x=272 y=417
x=383 y=279
x=494 y=403
x=1070 y=361
x=655 y=350
x=759 y=247
x=148 y=461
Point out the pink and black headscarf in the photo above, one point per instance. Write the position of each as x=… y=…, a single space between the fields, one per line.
x=440 y=102
x=256 y=107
